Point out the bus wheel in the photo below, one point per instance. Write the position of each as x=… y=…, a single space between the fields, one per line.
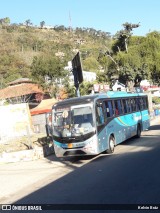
x=111 y=145
x=138 y=135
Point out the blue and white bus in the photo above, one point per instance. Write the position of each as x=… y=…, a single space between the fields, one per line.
x=93 y=124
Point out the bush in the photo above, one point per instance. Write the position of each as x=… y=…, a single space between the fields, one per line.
x=156 y=100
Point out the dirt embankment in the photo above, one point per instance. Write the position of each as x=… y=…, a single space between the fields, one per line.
x=25 y=143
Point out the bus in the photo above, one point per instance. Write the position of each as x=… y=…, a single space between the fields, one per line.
x=92 y=124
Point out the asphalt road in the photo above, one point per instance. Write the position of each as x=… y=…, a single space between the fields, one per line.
x=129 y=176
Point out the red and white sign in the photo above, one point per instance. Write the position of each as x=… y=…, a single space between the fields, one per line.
x=101 y=87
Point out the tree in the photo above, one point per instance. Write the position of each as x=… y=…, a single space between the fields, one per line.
x=86 y=88
x=28 y=22
x=102 y=77
x=150 y=53
x=63 y=94
x=91 y=64
x=70 y=89
x=132 y=68
x=42 y=24
x=5 y=21
x=123 y=36
x=47 y=70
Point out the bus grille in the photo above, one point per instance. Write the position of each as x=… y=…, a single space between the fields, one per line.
x=75 y=152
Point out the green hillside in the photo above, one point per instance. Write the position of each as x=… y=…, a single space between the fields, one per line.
x=20 y=44
x=33 y=52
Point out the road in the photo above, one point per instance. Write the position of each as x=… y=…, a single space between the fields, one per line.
x=129 y=176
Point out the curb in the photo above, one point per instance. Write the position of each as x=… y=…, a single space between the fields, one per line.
x=26 y=155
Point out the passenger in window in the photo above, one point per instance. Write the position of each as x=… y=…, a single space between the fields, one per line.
x=116 y=111
x=108 y=113
x=116 y=108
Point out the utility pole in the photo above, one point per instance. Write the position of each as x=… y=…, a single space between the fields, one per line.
x=70 y=22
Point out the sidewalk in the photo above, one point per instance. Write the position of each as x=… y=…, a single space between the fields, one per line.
x=21 y=178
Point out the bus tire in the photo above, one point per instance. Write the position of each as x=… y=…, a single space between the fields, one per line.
x=139 y=130
x=111 y=145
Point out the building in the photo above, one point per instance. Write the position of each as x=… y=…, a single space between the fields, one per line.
x=87 y=76
x=153 y=89
x=41 y=116
x=118 y=86
x=22 y=90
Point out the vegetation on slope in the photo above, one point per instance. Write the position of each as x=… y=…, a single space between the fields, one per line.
x=27 y=51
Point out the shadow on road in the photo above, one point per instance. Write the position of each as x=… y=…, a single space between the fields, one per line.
x=106 y=179
x=154 y=127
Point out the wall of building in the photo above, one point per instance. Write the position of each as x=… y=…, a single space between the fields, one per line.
x=39 y=123
x=15 y=121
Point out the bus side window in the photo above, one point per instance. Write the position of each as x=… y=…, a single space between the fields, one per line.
x=124 y=105
x=137 y=104
x=118 y=107
x=128 y=105
x=145 y=103
x=99 y=115
x=109 y=108
x=133 y=105
x=141 y=103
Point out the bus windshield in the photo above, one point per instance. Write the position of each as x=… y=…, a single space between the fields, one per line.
x=72 y=121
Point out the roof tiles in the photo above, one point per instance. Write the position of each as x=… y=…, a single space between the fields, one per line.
x=19 y=90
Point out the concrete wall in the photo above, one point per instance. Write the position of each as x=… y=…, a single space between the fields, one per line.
x=39 y=123
x=15 y=121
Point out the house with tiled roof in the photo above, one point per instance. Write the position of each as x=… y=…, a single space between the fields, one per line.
x=22 y=90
